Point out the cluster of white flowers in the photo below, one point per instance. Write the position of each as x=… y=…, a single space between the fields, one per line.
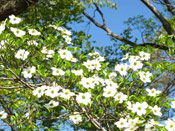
x=151 y=125
x=3 y=114
x=49 y=53
x=22 y=54
x=92 y=65
x=58 y=91
x=17 y=32
x=138 y=108
x=67 y=55
x=51 y=91
x=135 y=63
x=77 y=72
x=110 y=88
x=122 y=123
x=76 y=118
x=128 y=124
x=145 y=76
x=27 y=72
x=97 y=56
x=66 y=34
x=91 y=82
x=32 y=42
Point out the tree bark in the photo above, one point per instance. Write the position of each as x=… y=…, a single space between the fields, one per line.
x=8 y=7
x=165 y=23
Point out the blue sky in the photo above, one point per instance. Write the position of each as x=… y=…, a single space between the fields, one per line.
x=114 y=20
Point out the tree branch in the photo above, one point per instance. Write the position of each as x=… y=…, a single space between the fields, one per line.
x=169 y=7
x=8 y=111
x=94 y=122
x=165 y=23
x=102 y=16
x=10 y=87
x=23 y=82
x=110 y=33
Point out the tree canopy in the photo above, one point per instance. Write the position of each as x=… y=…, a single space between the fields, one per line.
x=51 y=75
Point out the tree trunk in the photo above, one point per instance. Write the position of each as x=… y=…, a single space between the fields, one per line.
x=8 y=7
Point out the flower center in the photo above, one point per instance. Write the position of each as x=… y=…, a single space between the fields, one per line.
x=83 y=97
x=109 y=92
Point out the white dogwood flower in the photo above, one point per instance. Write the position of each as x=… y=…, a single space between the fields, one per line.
x=109 y=91
x=156 y=110
x=57 y=71
x=120 y=97
x=122 y=123
x=2 y=27
x=39 y=91
x=65 y=54
x=170 y=125
x=3 y=114
x=144 y=55
x=76 y=118
x=84 y=98
x=122 y=69
x=66 y=94
x=22 y=54
x=52 y=104
x=17 y=32
x=87 y=82
x=34 y=32
x=27 y=72
x=14 y=19
x=135 y=65
x=153 y=92
x=140 y=108
x=52 y=91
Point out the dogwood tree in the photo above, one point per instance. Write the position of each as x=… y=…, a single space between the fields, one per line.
x=50 y=74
